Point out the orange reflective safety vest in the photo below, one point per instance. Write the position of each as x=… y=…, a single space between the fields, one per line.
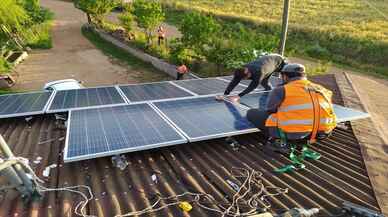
x=306 y=108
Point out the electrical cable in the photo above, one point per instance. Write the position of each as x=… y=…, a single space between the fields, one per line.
x=252 y=179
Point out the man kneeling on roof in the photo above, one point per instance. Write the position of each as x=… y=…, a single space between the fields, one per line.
x=258 y=71
x=299 y=110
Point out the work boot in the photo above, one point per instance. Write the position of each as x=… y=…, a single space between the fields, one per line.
x=277 y=146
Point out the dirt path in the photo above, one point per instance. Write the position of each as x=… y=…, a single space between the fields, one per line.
x=72 y=55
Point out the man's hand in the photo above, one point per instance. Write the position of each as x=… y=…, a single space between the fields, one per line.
x=234 y=99
x=220 y=98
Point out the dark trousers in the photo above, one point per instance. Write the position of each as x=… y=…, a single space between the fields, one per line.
x=179 y=76
x=160 y=40
x=257 y=118
x=265 y=83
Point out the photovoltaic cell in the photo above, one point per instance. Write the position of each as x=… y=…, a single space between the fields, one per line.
x=23 y=104
x=152 y=91
x=114 y=130
x=259 y=100
x=82 y=98
x=206 y=86
x=205 y=118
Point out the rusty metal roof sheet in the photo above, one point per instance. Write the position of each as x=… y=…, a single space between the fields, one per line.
x=198 y=167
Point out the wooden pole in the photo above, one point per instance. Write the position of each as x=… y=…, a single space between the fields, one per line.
x=284 y=27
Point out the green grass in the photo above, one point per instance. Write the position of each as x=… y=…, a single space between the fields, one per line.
x=141 y=71
x=343 y=32
x=6 y=91
x=39 y=36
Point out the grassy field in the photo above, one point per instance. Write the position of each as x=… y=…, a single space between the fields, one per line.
x=350 y=32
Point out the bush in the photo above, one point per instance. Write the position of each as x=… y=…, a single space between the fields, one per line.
x=180 y=55
x=126 y=20
x=4 y=66
x=317 y=51
x=198 y=30
x=39 y=36
x=108 y=27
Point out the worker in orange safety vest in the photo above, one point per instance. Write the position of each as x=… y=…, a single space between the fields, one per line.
x=299 y=109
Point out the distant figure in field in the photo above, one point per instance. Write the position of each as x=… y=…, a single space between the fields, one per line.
x=161 y=35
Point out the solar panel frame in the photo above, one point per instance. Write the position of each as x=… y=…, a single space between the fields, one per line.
x=338 y=109
x=210 y=136
x=165 y=85
x=51 y=110
x=197 y=92
x=67 y=159
x=275 y=81
x=35 y=112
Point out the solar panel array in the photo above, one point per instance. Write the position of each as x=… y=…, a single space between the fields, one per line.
x=101 y=123
x=23 y=104
x=65 y=100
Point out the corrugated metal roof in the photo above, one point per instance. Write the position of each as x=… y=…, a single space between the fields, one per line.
x=198 y=167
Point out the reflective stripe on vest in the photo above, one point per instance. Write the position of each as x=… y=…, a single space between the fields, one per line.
x=302 y=122
x=323 y=105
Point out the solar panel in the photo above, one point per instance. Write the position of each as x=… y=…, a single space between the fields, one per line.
x=206 y=86
x=259 y=100
x=347 y=114
x=85 y=98
x=23 y=104
x=114 y=130
x=205 y=118
x=152 y=91
x=274 y=81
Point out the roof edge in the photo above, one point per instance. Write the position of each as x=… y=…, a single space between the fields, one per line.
x=370 y=139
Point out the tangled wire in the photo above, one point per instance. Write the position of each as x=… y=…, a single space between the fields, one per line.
x=252 y=193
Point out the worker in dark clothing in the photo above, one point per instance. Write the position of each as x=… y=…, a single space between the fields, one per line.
x=259 y=71
x=299 y=108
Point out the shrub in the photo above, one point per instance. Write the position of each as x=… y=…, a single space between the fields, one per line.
x=198 y=30
x=4 y=66
x=96 y=9
x=180 y=55
x=317 y=51
x=39 y=36
x=126 y=20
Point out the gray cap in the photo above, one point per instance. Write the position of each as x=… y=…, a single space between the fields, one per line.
x=293 y=68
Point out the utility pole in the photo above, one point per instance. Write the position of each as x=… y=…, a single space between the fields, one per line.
x=283 y=39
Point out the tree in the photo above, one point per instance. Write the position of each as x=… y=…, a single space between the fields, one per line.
x=95 y=8
x=198 y=30
x=148 y=15
x=13 y=20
